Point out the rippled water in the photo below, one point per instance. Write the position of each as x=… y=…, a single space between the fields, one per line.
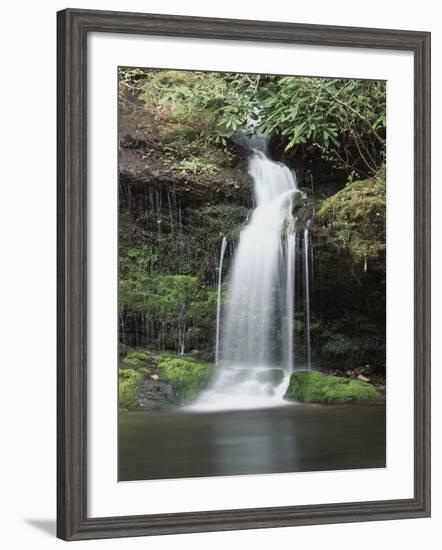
x=294 y=438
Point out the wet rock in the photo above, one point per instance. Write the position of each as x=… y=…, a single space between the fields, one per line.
x=156 y=394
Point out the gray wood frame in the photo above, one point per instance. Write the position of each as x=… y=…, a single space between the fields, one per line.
x=73 y=28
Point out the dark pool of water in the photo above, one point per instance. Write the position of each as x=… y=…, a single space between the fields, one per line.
x=295 y=438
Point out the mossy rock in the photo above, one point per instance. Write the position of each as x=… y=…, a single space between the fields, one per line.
x=354 y=219
x=136 y=359
x=129 y=385
x=188 y=377
x=315 y=387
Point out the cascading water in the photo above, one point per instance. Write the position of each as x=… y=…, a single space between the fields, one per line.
x=307 y=295
x=250 y=312
x=218 y=304
x=290 y=294
x=261 y=299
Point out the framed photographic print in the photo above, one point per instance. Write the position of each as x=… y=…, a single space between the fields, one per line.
x=243 y=274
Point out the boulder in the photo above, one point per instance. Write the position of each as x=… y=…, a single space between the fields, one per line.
x=315 y=387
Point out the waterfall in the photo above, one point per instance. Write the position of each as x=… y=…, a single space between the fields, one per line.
x=307 y=295
x=290 y=294
x=180 y=219
x=170 y=212
x=181 y=335
x=122 y=328
x=250 y=313
x=218 y=302
x=255 y=333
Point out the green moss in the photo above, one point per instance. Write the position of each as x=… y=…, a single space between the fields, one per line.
x=136 y=359
x=354 y=218
x=314 y=387
x=186 y=376
x=129 y=385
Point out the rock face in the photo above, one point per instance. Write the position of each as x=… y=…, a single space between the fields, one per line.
x=315 y=387
x=349 y=277
x=179 y=194
x=156 y=394
x=163 y=159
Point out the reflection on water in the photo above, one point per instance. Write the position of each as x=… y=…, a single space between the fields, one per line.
x=296 y=438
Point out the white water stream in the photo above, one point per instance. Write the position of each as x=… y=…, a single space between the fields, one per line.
x=218 y=304
x=261 y=299
x=307 y=295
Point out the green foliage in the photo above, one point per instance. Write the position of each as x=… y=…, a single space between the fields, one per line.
x=129 y=385
x=191 y=155
x=349 y=340
x=343 y=120
x=166 y=297
x=314 y=387
x=193 y=251
x=171 y=296
x=349 y=351
x=136 y=359
x=186 y=375
x=195 y=165
x=183 y=95
x=144 y=370
x=217 y=220
x=141 y=256
x=216 y=105
x=123 y=349
x=156 y=285
x=135 y=264
x=131 y=76
x=171 y=302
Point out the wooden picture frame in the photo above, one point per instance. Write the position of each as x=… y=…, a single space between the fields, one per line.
x=73 y=28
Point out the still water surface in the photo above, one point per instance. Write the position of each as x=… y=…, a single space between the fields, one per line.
x=293 y=438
